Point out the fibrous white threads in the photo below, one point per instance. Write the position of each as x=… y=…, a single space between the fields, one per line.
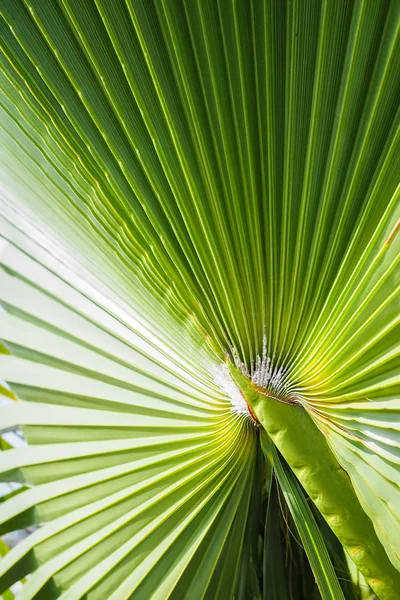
x=264 y=373
x=223 y=379
x=239 y=364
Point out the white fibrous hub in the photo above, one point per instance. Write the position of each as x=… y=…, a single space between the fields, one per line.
x=264 y=373
x=223 y=379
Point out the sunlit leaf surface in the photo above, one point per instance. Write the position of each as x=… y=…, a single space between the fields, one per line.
x=180 y=179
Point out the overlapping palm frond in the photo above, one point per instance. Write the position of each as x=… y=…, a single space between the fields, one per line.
x=136 y=466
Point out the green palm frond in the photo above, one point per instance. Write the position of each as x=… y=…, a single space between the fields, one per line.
x=134 y=471
x=198 y=237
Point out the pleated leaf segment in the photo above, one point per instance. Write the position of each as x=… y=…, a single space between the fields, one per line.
x=199 y=252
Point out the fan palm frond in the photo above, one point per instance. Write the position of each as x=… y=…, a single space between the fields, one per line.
x=199 y=242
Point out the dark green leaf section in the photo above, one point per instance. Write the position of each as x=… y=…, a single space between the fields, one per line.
x=275 y=576
x=306 y=525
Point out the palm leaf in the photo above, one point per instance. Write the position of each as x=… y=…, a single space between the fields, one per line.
x=187 y=179
x=142 y=466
